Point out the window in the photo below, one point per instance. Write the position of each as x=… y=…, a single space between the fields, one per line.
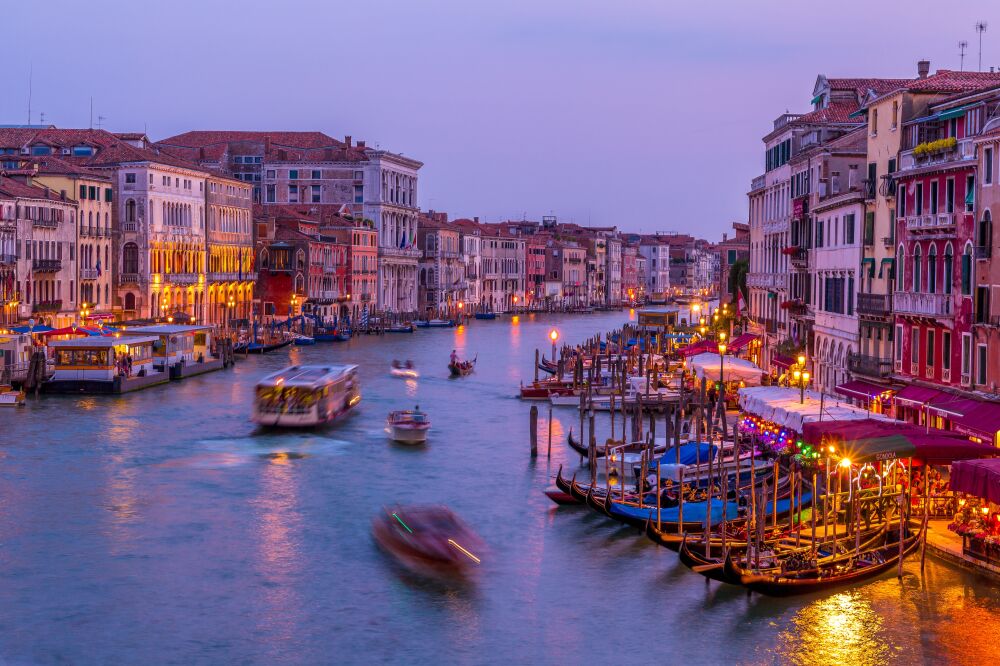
x=930 y=347
x=917 y=260
x=949 y=196
x=899 y=343
x=359 y=175
x=946 y=350
x=130 y=178
x=918 y=199
x=849 y=229
x=82 y=151
x=108 y=194
x=92 y=193
x=270 y=196
x=83 y=192
x=900 y=264
x=316 y=174
x=901 y=202
x=293 y=193
x=934 y=198
x=895 y=115
x=293 y=174
x=271 y=174
x=932 y=270
x=967 y=270
x=359 y=194
x=970 y=193
x=981 y=365
x=987 y=166
x=41 y=150
x=914 y=345
x=316 y=194
x=966 y=356
x=874 y=123
x=982 y=305
x=949 y=270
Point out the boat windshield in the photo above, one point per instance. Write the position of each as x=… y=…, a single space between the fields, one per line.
x=290 y=397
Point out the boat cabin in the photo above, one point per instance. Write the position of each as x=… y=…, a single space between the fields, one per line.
x=15 y=353
x=176 y=342
x=657 y=321
x=99 y=358
x=306 y=395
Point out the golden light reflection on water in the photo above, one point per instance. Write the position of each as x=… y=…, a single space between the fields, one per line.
x=839 y=629
x=411 y=388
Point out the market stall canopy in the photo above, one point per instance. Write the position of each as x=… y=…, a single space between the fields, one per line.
x=700 y=347
x=780 y=405
x=977 y=477
x=41 y=328
x=712 y=368
x=864 y=441
x=981 y=420
x=783 y=362
x=861 y=390
x=742 y=341
x=69 y=330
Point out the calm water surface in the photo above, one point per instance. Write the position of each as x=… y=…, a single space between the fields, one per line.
x=160 y=527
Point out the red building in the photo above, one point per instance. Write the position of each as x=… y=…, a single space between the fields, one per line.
x=534 y=266
x=361 y=240
x=632 y=290
x=934 y=241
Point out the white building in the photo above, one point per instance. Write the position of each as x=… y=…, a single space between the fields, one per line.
x=613 y=271
x=657 y=256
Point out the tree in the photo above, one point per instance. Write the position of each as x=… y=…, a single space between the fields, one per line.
x=738 y=278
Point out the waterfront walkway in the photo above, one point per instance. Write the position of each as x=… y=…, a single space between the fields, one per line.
x=946 y=545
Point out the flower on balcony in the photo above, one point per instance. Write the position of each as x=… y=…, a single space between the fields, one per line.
x=931 y=147
x=791 y=303
x=791 y=249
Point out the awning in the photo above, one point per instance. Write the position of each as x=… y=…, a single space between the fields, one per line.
x=871 y=266
x=977 y=477
x=785 y=362
x=741 y=341
x=953 y=113
x=712 y=368
x=858 y=113
x=892 y=267
x=69 y=330
x=700 y=347
x=790 y=408
x=40 y=328
x=860 y=389
x=952 y=406
x=868 y=440
x=982 y=420
x=917 y=395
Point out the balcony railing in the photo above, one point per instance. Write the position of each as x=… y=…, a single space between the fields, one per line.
x=800 y=258
x=922 y=305
x=47 y=306
x=88 y=274
x=181 y=278
x=46 y=265
x=888 y=241
x=983 y=252
x=875 y=305
x=868 y=188
x=8 y=258
x=930 y=221
x=48 y=224
x=869 y=366
x=249 y=276
x=128 y=278
x=887 y=188
x=399 y=252
x=130 y=227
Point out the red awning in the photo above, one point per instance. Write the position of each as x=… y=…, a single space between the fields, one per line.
x=917 y=395
x=952 y=406
x=69 y=330
x=977 y=477
x=741 y=341
x=982 y=420
x=868 y=440
x=783 y=361
x=860 y=389
x=700 y=347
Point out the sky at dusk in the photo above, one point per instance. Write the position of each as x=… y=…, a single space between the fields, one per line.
x=647 y=115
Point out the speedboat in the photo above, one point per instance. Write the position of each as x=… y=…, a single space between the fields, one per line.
x=403 y=371
x=408 y=426
x=306 y=395
x=301 y=340
x=9 y=397
x=429 y=540
x=435 y=323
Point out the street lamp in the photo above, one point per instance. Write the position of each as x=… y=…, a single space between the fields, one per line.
x=553 y=336
x=722 y=369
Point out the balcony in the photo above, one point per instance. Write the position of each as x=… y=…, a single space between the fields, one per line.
x=250 y=276
x=766 y=280
x=444 y=254
x=930 y=222
x=869 y=187
x=407 y=253
x=888 y=186
x=130 y=227
x=874 y=305
x=931 y=152
x=922 y=305
x=983 y=252
x=89 y=274
x=181 y=278
x=8 y=259
x=325 y=297
x=48 y=224
x=128 y=278
x=799 y=258
x=869 y=366
x=366 y=298
x=888 y=241
x=46 y=265
x=47 y=306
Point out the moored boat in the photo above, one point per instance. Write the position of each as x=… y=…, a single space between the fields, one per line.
x=401 y=328
x=303 y=340
x=306 y=395
x=10 y=397
x=486 y=315
x=404 y=371
x=408 y=426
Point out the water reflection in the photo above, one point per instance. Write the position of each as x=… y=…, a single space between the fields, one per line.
x=840 y=629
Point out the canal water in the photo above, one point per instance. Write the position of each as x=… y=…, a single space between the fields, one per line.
x=160 y=527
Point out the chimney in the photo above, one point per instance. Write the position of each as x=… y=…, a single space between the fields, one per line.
x=476 y=219
x=923 y=67
x=347 y=140
x=361 y=144
x=267 y=145
x=725 y=237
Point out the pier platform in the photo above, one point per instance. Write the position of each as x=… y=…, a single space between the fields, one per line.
x=946 y=545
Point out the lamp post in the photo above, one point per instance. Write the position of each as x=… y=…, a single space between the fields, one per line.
x=553 y=336
x=722 y=370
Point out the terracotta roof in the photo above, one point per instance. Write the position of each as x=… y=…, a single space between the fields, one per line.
x=862 y=86
x=11 y=188
x=947 y=80
x=835 y=112
x=111 y=149
x=50 y=164
x=304 y=140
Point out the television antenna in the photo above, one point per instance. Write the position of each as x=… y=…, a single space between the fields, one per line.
x=962 y=45
x=981 y=28
x=100 y=121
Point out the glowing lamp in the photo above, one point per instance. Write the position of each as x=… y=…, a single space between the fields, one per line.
x=722 y=348
x=802 y=359
x=846 y=462
x=553 y=335
x=986 y=510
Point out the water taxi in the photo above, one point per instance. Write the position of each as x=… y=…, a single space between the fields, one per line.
x=9 y=397
x=408 y=426
x=306 y=395
x=404 y=370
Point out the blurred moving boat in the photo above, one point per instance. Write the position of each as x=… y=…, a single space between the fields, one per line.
x=306 y=395
x=408 y=426
x=429 y=540
x=405 y=371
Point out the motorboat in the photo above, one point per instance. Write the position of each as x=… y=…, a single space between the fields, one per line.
x=306 y=395
x=408 y=426
x=401 y=328
x=429 y=540
x=435 y=323
x=486 y=315
x=404 y=371
x=10 y=397
x=303 y=340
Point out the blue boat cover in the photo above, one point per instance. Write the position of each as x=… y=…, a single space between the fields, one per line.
x=691 y=453
x=694 y=512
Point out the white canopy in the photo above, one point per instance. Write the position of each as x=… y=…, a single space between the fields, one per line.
x=780 y=405
x=709 y=366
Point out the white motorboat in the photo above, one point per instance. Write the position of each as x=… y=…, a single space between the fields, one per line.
x=408 y=426
x=404 y=371
x=10 y=398
x=306 y=395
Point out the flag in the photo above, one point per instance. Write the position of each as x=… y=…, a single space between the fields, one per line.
x=740 y=303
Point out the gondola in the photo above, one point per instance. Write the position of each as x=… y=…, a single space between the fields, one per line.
x=462 y=368
x=711 y=569
x=584 y=451
x=401 y=328
x=262 y=348
x=868 y=564
x=486 y=315
x=550 y=367
x=561 y=494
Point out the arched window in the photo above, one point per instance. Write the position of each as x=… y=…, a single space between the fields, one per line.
x=130 y=258
x=262 y=260
x=932 y=269
x=130 y=210
x=900 y=265
x=948 y=284
x=917 y=259
x=300 y=260
x=129 y=301
x=967 y=270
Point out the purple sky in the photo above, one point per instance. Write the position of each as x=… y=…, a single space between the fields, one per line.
x=643 y=114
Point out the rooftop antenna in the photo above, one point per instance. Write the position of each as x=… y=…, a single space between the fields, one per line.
x=962 y=45
x=91 y=113
x=981 y=28
x=41 y=118
x=100 y=121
